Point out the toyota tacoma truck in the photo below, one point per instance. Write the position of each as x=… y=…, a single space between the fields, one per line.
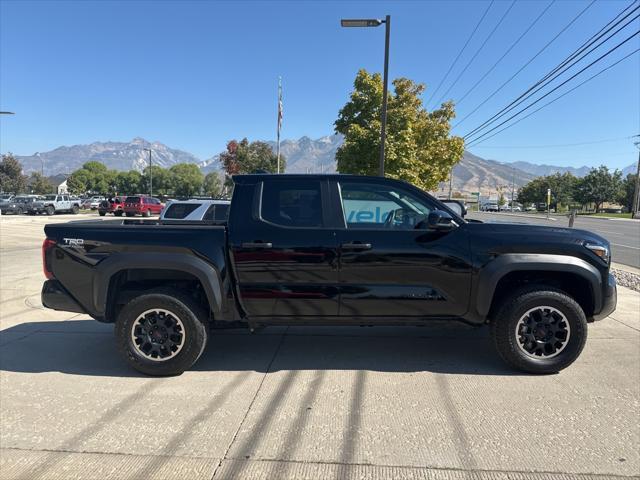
x=330 y=250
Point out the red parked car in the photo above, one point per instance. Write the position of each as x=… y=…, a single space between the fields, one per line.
x=113 y=205
x=142 y=205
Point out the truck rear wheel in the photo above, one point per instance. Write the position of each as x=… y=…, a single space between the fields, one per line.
x=539 y=329
x=50 y=210
x=162 y=332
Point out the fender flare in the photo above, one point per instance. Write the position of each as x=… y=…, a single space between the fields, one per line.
x=491 y=274
x=207 y=274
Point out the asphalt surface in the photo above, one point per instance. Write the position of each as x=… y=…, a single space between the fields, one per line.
x=304 y=403
x=624 y=235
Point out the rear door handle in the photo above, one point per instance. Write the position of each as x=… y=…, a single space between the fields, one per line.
x=257 y=245
x=356 y=246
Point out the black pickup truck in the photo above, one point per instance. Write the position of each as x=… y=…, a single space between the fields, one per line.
x=330 y=250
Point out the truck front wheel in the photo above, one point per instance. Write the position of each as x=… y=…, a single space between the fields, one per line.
x=162 y=332
x=539 y=329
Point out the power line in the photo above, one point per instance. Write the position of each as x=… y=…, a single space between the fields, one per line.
x=480 y=138
x=548 y=79
x=461 y=51
x=507 y=52
x=504 y=15
x=557 y=145
x=566 y=27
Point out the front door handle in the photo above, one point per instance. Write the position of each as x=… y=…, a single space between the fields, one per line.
x=356 y=246
x=257 y=245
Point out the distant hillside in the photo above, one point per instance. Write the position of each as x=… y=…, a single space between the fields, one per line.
x=115 y=155
x=303 y=155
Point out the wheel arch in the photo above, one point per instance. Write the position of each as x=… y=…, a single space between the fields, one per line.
x=107 y=280
x=576 y=277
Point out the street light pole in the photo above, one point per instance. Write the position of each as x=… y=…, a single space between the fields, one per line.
x=150 y=173
x=385 y=82
x=383 y=127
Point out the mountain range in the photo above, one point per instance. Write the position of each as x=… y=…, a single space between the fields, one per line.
x=304 y=155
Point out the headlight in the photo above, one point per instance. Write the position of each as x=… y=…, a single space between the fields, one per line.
x=599 y=250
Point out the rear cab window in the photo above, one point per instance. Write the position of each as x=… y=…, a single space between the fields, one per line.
x=217 y=212
x=291 y=203
x=178 y=211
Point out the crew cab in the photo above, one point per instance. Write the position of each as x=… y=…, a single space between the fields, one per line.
x=142 y=205
x=330 y=250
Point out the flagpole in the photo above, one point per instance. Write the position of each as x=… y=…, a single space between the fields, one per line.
x=279 y=120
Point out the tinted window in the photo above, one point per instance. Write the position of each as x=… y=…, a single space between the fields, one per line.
x=381 y=206
x=180 y=210
x=292 y=204
x=217 y=213
x=132 y=200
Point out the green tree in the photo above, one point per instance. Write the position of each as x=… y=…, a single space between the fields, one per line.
x=187 y=179
x=249 y=157
x=40 y=185
x=163 y=181
x=562 y=190
x=625 y=197
x=128 y=183
x=502 y=201
x=11 y=178
x=92 y=177
x=212 y=185
x=599 y=186
x=419 y=146
x=79 y=182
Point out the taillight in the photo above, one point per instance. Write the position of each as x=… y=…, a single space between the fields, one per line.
x=46 y=268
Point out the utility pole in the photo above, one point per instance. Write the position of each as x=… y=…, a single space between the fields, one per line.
x=513 y=187
x=635 y=205
x=450 y=182
x=150 y=172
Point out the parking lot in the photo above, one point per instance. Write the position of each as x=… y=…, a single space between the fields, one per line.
x=300 y=402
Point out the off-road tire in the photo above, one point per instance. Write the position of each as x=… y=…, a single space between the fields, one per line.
x=191 y=316
x=102 y=214
x=75 y=209
x=130 y=214
x=50 y=210
x=504 y=324
x=118 y=213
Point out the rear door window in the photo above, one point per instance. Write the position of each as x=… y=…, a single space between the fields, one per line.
x=292 y=203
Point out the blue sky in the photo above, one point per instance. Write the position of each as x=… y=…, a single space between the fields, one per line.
x=194 y=74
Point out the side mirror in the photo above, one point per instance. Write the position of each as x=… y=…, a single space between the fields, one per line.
x=441 y=221
x=456 y=206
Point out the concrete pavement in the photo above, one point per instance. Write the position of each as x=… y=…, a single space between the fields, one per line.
x=432 y=402
x=624 y=235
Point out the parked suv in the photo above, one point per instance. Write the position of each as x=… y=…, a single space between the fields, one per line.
x=17 y=205
x=51 y=204
x=142 y=205
x=113 y=205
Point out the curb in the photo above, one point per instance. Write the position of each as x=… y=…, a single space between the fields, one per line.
x=625 y=268
x=518 y=215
